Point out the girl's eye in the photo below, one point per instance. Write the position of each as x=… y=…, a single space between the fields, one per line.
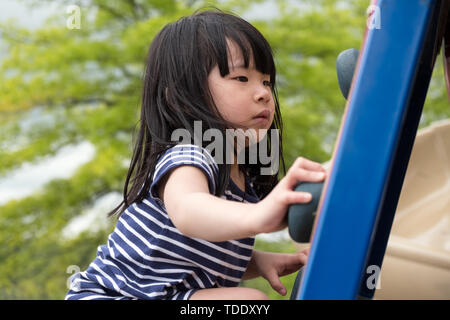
x=267 y=83
x=242 y=79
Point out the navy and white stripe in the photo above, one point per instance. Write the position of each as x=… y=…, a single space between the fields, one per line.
x=147 y=257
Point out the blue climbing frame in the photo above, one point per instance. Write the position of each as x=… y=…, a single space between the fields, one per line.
x=373 y=149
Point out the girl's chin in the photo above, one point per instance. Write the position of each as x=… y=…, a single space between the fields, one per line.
x=253 y=136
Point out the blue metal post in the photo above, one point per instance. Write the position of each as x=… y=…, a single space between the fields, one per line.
x=365 y=151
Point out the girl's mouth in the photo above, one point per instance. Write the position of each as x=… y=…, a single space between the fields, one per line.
x=263 y=117
x=265 y=114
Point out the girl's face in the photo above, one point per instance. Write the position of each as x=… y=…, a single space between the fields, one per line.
x=244 y=96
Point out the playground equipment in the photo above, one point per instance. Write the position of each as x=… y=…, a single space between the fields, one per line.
x=356 y=210
x=417 y=260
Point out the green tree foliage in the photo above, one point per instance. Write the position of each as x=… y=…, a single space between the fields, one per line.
x=87 y=83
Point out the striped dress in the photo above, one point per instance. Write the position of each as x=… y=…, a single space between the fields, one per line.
x=147 y=257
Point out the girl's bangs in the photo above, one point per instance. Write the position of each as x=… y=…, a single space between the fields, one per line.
x=252 y=45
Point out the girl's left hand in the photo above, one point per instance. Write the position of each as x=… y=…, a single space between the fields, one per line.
x=272 y=266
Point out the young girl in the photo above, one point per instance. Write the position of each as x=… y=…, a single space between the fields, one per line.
x=187 y=223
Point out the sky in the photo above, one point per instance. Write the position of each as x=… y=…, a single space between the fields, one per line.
x=22 y=14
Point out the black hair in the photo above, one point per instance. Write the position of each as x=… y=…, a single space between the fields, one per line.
x=176 y=93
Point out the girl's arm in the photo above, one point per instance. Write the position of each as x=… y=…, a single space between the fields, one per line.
x=197 y=213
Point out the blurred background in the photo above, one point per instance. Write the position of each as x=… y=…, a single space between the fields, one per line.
x=69 y=100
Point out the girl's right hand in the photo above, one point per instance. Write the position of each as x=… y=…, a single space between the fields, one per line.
x=269 y=213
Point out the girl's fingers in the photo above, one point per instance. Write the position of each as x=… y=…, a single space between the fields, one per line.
x=303 y=258
x=275 y=282
x=299 y=174
x=307 y=164
x=291 y=197
x=295 y=262
x=305 y=251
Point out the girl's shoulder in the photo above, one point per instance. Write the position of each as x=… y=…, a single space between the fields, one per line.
x=186 y=154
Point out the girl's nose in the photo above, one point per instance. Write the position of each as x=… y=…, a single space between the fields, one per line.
x=262 y=93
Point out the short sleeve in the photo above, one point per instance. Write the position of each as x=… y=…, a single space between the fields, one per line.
x=185 y=154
